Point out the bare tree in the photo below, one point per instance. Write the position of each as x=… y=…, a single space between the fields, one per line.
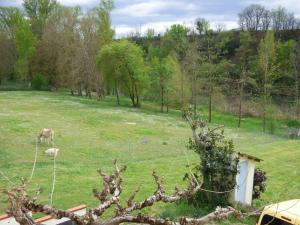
x=21 y=204
x=282 y=19
x=250 y=18
x=266 y=20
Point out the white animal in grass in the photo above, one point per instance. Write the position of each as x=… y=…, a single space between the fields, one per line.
x=52 y=152
x=46 y=134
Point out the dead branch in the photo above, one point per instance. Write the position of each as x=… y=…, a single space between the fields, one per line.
x=21 y=205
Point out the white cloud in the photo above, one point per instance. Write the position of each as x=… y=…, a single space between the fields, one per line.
x=142 y=9
x=77 y=2
x=131 y=15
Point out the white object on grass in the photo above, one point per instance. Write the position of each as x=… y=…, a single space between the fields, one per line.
x=52 y=152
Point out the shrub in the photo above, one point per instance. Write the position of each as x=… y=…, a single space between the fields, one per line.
x=293 y=123
x=39 y=82
x=218 y=165
x=259 y=183
x=293 y=128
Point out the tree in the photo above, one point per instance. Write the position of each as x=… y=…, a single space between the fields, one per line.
x=252 y=16
x=105 y=35
x=175 y=42
x=21 y=204
x=123 y=66
x=25 y=45
x=57 y=51
x=192 y=63
x=8 y=56
x=282 y=19
x=16 y=31
x=105 y=31
x=267 y=66
x=7 y=20
x=213 y=48
x=202 y=25
x=256 y=17
x=288 y=54
x=244 y=55
x=161 y=72
x=38 y=11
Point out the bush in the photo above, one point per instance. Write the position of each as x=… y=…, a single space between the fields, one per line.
x=218 y=165
x=259 y=183
x=293 y=128
x=293 y=123
x=39 y=82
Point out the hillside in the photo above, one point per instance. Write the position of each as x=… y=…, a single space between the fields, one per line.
x=90 y=134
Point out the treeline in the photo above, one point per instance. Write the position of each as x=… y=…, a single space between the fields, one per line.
x=253 y=71
x=256 y=17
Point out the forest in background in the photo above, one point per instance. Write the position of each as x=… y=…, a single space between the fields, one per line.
x=250 y=71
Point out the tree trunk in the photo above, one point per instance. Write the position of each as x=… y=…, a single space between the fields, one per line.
x=194 y=95
x=240 y=103
x=118 y=97
x=297 y=100
x=86 y=92
x=137 y=97
x=117 y=93
x=132 y=100
x=162 y=99
x=210 y=104
x=265 y=103
x=79 y=91
x=72 y=92
x=182 y=95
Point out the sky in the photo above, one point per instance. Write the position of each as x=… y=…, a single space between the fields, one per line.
x=139 y=15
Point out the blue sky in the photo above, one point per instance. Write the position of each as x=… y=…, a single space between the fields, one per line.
x=131 y=15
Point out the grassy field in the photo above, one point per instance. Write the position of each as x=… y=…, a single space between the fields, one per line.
x=90 y=134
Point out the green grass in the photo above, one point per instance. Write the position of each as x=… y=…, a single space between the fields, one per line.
x=91 y=134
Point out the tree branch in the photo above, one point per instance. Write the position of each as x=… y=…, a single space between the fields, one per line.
x=21 y=206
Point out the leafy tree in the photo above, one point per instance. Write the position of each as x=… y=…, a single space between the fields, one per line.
x=8 y=56
x=123 y=65
x=25 y=45
x=175 y=42
x=267 y=55
x=213 y=49
x=202 y=25
x=244 y=55
x=7 y=20
x=161 y=72
x=105 y=31
x=38 y=11
x=192 y=63
x=288 y=56
x=57 y=51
